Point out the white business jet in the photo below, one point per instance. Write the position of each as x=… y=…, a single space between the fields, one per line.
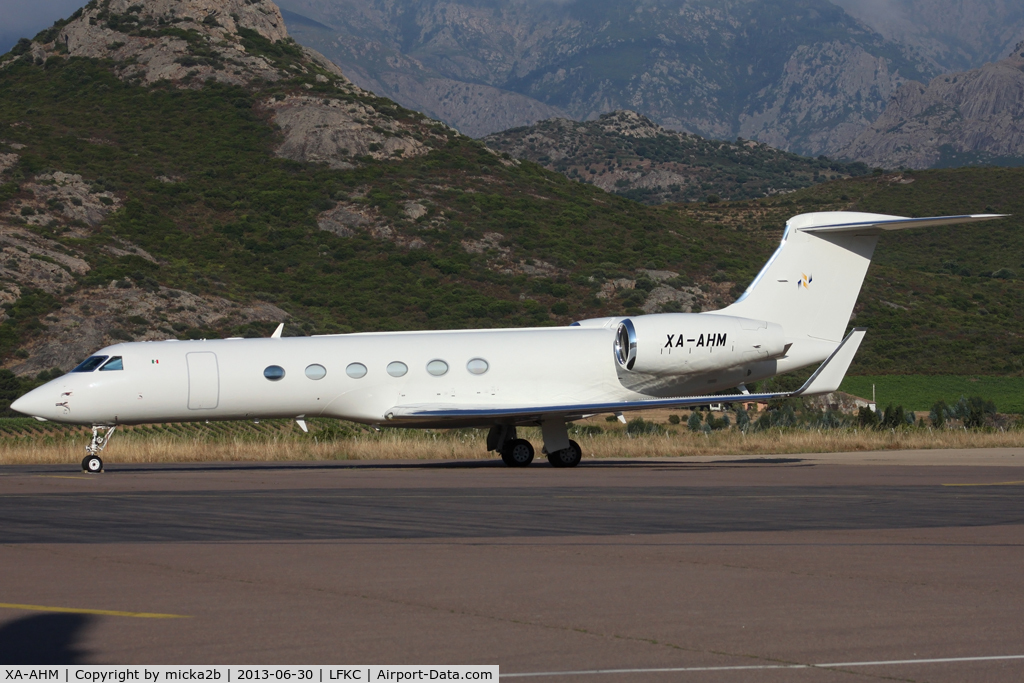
x=794 y=314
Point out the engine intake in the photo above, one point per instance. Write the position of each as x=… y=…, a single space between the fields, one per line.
x=685 y=343
x=625 y=344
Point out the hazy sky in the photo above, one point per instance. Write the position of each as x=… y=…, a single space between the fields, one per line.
x=25 y=18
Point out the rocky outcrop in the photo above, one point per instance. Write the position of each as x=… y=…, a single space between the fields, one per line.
x=65 y=198
x=976 y=116
x=175 y=40
x=338 y=132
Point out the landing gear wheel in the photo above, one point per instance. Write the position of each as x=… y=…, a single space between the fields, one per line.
x=567 y=457
x=92 y=464
x=517 y=453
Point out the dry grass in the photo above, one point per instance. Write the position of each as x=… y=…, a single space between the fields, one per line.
x=137 y=447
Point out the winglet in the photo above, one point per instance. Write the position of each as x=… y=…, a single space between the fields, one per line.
x=277 y=332
x=830 y=374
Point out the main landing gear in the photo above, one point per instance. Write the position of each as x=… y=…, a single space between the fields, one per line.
x=91 y=463
x=561 y=451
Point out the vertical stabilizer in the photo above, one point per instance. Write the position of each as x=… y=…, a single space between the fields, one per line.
x=812 y=281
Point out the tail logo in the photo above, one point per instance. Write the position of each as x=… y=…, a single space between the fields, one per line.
x=804 y=281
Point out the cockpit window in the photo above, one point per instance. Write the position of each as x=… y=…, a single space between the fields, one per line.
x=113 y=364
x=90 y=364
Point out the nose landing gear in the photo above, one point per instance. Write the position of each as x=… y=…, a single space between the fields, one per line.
x=91 y=463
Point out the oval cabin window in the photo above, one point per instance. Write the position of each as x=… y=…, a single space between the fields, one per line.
x=437 y=367
x=477 y=366
x=316 y=371
x=397 y=369
x=356 y=370
x=274 y=373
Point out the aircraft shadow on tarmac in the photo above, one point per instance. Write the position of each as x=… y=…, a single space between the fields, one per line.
x=43 y=639
x=159 y=468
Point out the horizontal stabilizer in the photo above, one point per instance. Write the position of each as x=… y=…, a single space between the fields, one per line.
x=840 y=221
x=826 y=379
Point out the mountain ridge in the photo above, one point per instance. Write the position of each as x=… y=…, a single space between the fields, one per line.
x=956 y=119
x=628 y=154
x=717 y=69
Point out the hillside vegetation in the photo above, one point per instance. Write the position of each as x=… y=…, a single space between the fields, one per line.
x=935 y=301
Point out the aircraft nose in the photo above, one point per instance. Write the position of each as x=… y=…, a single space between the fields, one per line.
x=37 y=403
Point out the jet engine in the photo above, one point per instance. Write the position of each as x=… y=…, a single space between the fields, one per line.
x=687 y=343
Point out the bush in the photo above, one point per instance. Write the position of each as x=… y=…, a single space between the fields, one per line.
x=641 y=427
x=23 y=46
x=974 y=411
x=694 y=423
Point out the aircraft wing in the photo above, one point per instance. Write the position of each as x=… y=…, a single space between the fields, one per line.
x=825 y=380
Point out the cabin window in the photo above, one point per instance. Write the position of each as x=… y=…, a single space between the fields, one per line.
x=90 y=364
x=274 y=373
x=437 y=368
x=477 y=366
x=397 y=368
x=356 y=370
x=114 y=363
x=316 y=371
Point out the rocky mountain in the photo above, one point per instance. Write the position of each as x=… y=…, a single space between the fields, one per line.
x=957 y=119
x=800 y=75
x=628 y=154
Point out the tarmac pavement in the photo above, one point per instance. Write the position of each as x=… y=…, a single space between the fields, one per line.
x=716 y=569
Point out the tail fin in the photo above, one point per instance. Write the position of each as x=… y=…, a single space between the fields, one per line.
x=812 y=281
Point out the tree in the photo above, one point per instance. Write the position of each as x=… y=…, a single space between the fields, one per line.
x=893 y=417
x=867 y=418
x=939 y=414
x=742 y=419
x=693 y=424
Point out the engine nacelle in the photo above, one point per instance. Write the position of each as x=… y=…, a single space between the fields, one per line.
x=686 y=343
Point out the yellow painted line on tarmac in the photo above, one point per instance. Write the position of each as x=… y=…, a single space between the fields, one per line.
x=994 y=483
x=102 y=612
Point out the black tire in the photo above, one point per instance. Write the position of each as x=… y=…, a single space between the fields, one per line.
x=92 y=464
x=517 y=453
x=567 y=457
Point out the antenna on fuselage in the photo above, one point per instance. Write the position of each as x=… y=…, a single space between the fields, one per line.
x=277 y=332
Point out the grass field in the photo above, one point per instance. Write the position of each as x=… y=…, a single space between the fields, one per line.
x=25 y=441
x=920 y=392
